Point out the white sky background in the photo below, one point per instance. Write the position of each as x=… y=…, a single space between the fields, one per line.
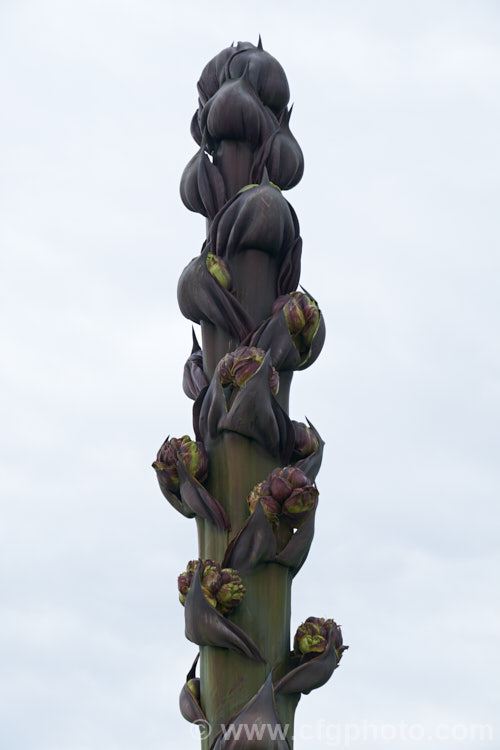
x=397 y=110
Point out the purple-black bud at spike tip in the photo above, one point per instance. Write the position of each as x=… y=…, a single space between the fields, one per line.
x=235 y=112
x=281 y=155
x=214 y=72
x=265 y=74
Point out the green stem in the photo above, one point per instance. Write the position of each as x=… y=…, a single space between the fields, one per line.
x=229 y=680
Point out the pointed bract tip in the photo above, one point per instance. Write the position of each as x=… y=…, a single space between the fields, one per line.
x=309 y=295
x=259 y=43
x=196 y=346
x=284 y=118
x=265 y=177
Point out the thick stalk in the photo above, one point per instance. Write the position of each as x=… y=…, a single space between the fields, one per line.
x=237 y=464
x=229 y=680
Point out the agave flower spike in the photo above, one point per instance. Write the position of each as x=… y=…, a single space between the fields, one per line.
x=249 y=476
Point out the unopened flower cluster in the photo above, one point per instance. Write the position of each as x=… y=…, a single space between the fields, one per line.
x=192 y=455
x=313 y=635
x=285 y=493
x=222 y=586
x=237 y=367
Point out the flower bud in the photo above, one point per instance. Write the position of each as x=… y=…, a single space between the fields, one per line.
x=219 y=270
x=265 y=74
x=231 y=592
x=235 y=112
x=306 y=440
x=302 y=316
x=261 y=494
x=211 y=577
x=309 y=638
x=192 y=455
x=286 y=492
x=313 y=635
x=299 y=504
x=237 y=367
x=222 y=587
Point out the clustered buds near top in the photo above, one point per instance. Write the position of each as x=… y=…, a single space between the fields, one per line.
x=312 y=637
x=191 y=453
x=286 y=492
x=237 y=367
x=302 y=316
x=222 y=586
x=219 y=270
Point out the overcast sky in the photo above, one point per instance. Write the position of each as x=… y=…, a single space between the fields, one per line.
x=397 y=110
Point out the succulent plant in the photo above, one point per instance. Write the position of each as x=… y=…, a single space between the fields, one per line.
x=249 y=475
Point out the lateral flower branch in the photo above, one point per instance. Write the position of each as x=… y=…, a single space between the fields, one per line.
x=248 y=475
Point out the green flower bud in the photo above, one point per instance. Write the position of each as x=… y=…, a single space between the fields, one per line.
x=222 y=587
x=219 y=270
x=300 y=503
x=311 y=644
x=313 y=635
x=192 y=455
x=230 y=596
x=309 y=639
x=210 y=577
